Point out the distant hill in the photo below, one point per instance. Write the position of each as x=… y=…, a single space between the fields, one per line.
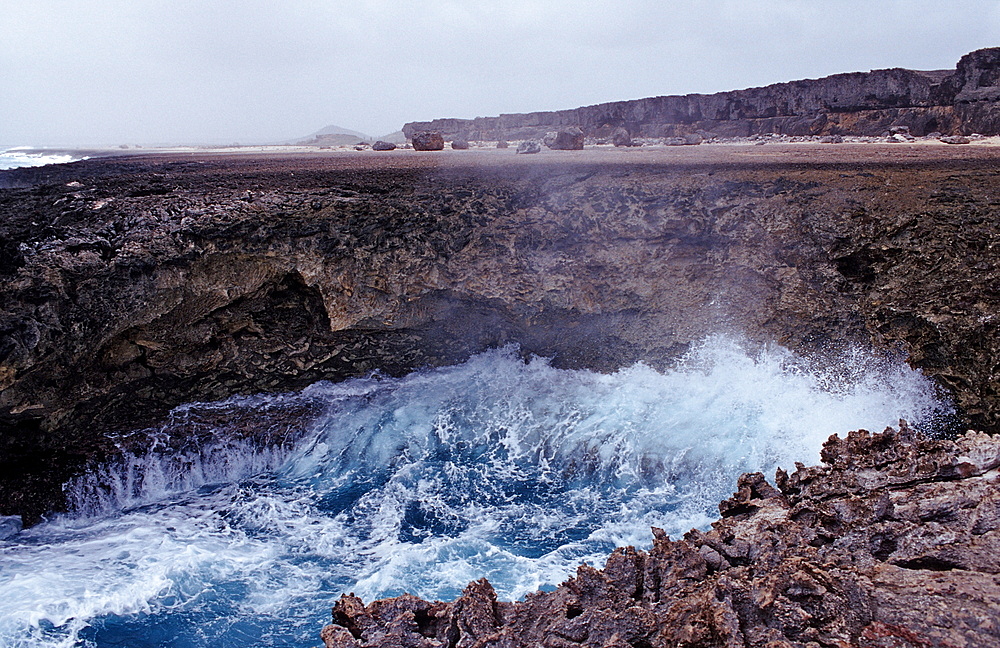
x=396 y=138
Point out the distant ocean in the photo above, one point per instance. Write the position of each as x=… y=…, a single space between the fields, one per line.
x=16 y=157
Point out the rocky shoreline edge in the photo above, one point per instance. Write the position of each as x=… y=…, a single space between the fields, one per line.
x=133 y=285
x=894 y=542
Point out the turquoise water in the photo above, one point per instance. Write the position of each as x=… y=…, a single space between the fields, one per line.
x=495 y=467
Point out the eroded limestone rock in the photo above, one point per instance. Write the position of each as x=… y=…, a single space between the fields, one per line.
x=894 y=541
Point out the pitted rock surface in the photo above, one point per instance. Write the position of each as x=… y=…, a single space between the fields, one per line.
x=893 y=542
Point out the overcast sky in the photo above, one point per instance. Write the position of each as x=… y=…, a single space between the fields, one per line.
x=90 y=72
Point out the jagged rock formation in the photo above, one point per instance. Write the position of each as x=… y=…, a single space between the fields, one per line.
x=893 y=543
x=963 y=101
x=131 y=286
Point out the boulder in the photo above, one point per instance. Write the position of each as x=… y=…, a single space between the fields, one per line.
x=529 y=146
x=621 y=137
x=502 y=144
x=692 y=139
x=460 y=144
x=383 y=146
x=954 y=139
x=428 y=141
x=565 y=139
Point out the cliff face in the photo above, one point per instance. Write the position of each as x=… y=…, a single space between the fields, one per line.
x=892 y=543
x=131 y=286
x=962 y=101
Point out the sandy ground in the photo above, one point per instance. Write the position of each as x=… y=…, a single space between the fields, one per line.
x=751 y=152
x=704 y=154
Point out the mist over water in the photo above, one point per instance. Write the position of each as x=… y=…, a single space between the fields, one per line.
x=495 y=467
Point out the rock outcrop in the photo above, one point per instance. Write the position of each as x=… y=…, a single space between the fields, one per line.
x=130 y=286
x=565 y=139
x=963 y=101
x=427 y=141
x=620 y=137
x=893 y=543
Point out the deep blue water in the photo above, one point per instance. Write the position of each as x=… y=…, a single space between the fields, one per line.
x=496 y=467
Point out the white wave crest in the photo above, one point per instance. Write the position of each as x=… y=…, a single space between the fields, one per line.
x=496 y=467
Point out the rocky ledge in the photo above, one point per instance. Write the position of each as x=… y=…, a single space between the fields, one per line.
x=960 y=101
x=893 y=543
x=130 y=286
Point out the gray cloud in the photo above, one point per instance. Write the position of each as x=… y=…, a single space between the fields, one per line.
x=117 y=71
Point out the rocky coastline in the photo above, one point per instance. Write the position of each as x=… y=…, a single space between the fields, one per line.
x=892 y=543
x=132 y=285
x=953 y=102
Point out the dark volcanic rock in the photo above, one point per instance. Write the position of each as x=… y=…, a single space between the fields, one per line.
x=460 y=144
x=961 y=101
x=428 y=141
x=894 y=542
x=136 y=285
x=383 y=146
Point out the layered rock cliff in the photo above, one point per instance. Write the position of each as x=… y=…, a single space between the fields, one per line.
x=961 y=101
x=893 y=543
x=130 y=286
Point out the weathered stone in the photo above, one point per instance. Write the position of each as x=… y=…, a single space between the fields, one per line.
x=502 y=144
x=565 y=139
x=955 y=139
x=383 y=146
x=460 y=144
x=529 y=146
x=427 y=141
x=621 y=137
x=858 y=559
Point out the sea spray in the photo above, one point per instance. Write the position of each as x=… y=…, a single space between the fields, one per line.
x=23 y=156
x=496 y=467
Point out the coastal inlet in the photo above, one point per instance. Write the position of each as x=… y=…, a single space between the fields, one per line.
x=497 y=467
x=235 y=388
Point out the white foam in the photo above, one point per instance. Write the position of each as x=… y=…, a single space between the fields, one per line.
x=495 y=467
x=23 y=156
